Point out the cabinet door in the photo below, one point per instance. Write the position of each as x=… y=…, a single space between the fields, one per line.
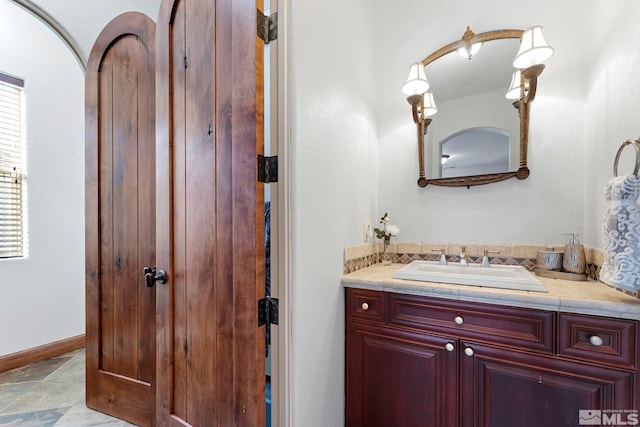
x=504 y=388
x=397 y=378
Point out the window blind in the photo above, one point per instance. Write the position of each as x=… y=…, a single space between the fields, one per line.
x=12 y=188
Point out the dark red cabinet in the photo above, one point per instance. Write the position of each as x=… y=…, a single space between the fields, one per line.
x=398 y=378
x=415 y=361
x=502 y=388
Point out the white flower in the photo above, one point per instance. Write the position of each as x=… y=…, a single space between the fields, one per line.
x=393 y=230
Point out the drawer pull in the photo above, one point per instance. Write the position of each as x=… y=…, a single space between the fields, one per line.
x=449 y=347
x=459 y=320
x=595 y=340
x=468 y=351
x=365 y=306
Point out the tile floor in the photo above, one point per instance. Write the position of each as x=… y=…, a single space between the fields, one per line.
x=50 y=393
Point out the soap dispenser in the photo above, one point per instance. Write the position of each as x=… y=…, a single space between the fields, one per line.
x=573 y=260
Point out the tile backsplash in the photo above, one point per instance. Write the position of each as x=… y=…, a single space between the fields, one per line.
x=361 y=256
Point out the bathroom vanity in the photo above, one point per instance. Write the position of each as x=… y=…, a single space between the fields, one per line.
x=431 y=354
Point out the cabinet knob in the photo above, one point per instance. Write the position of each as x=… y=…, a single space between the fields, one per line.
x=449 y=347
x=365 y=306
x=595 y=340
x=459 y=320
x=468 y=351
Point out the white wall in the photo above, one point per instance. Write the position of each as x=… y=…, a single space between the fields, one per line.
x=613 y=101
x=533 y=211
x=84 y=20
x=42 y=296
x=333 y=180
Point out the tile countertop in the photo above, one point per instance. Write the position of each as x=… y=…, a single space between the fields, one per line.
x=567 y=296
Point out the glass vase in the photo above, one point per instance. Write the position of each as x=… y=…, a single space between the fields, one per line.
x=385 y=256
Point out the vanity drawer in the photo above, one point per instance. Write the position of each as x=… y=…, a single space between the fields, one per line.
x=598 y=339
x=366 y=304
x=517 y=327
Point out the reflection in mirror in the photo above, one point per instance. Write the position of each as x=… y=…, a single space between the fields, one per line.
x=474 y=151
x=470 y=94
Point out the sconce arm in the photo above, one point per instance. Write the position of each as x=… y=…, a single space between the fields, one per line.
x=415 y=114
x=415 y=101
x=531 y=75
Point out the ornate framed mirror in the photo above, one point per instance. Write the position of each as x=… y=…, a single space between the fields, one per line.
x=478 y=136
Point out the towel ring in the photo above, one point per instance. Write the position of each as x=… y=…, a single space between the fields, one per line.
x=636 y=145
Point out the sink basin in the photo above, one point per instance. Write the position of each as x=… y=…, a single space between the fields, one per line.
x=496 y=276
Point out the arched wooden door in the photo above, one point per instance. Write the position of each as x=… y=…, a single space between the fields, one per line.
x=210 y=229
x=120 y=219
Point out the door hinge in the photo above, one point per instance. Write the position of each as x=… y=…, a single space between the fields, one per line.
x=267 y=26
x=267 y=169
x=267 y=311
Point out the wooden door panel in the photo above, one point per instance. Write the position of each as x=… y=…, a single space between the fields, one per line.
x=120 y=219
x=178 y=269
x=200 y=215
x=124 y=177
x=209 y=216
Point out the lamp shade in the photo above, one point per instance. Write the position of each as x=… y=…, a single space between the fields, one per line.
x=534 y=48
x=514 y=88
x=429 y=105
x=416 y=83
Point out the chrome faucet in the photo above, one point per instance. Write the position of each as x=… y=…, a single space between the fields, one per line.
x=443 y=257
x=464 y=258
x=485 y=258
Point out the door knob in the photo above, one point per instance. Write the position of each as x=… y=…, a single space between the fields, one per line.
x=151 y=276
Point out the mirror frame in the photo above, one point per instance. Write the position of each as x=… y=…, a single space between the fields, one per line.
x=522 y=107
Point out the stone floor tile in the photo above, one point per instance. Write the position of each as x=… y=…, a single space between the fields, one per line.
x=48 y=394
x=47 y=418
x=34 y=372
x=81 y=416
x=73 y=369
x=10 y=392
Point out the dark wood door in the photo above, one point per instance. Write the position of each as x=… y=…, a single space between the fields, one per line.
x=397 y=378
x=504 y=388
x=120 y=219
x=210 y=229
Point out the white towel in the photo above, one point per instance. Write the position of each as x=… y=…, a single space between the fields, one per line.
x=621 y=227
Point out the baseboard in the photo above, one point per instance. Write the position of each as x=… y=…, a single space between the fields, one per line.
x=36 y=354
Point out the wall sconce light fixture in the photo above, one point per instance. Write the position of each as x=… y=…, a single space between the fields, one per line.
x=416 y=83
x=534 y=49
x=428 y=105
x=418 y=96
x=514 y=88
x=423 y=106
